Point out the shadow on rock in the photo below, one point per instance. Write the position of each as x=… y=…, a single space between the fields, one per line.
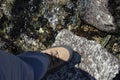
x=117 y=77
x=114 y=9
x=70 y=71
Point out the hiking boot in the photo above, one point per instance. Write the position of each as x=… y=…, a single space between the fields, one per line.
x=58 y=56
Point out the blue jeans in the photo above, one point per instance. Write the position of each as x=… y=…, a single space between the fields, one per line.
x=26 y=66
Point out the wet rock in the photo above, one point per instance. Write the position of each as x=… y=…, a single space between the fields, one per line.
x=54 y=13
x=25 y=18
x=103 y=14
x=61 y=12
x=95 y=60
x=5 y=7
x=29 y=44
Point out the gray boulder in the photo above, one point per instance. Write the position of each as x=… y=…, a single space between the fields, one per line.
x=95 y=60
x=103 y=14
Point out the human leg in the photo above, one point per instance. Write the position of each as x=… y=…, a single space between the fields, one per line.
x=31 y=65
x=26 y=66
x=13 y=68
x=38 y=61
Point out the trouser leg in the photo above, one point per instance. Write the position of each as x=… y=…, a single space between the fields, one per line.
x=13 y=68
x=38 y=61
x=26 y=66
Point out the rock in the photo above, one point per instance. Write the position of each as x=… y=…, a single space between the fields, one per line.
x=58 y=2
x=95 y=60
x=5 y=7
x=103 y=14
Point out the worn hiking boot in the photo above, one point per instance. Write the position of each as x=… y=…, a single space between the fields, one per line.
x=58 y=56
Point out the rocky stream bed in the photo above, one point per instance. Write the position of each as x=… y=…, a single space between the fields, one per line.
x=91 y=26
